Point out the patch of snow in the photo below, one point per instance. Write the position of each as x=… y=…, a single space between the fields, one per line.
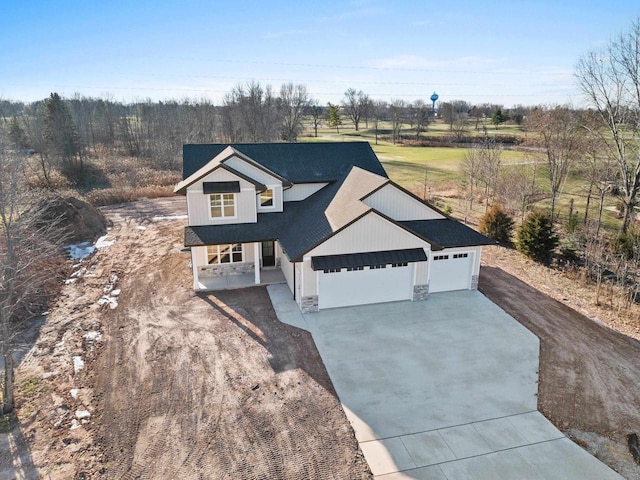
x=107 y=300
x=102 y=242
x=141 y=227
x=93 y=335
x=113 y=278
x=79 y=272
x=78 y=364
x=80 y=251
x=74 y=393
x=80 y=414
x=44 y=314
x=70 y=280
x=169 y=217
x=115 y=293
x=75 y=424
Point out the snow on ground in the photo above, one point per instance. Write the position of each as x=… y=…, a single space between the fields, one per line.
x=169 y=217
x=80 y=251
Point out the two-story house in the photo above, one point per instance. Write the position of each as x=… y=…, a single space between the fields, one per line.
x=328 y=216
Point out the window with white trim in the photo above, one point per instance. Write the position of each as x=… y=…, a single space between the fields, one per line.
x=399 y=264
x=229 y=253
x=266 y=198
x=460 y=255
x=441 y=257
x=222 y=205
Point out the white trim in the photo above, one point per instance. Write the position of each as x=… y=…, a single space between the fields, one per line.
x=273 y=199
x=257 y=248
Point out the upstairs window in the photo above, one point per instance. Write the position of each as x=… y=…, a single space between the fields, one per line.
x=217 y=254
x=266 y=198
x=223 y=205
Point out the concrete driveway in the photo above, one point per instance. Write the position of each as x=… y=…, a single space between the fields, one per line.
x=442 y=389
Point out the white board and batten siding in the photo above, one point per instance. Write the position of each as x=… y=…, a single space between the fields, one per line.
x=251 y=171
x=372 y=233
x=285 y=266
x=300 y=191
x=198 y=204
x=396 y=204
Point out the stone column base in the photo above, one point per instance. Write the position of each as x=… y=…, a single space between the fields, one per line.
x=309 y=304
x=420 y=292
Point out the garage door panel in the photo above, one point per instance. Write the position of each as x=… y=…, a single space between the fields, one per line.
x=359 y=287
x=447 y=274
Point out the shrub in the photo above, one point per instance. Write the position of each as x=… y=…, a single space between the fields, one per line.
x=496 y=223
x=627 y=244
x=535 y=237
x=447 y=210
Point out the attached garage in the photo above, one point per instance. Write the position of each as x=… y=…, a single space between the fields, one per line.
x=363 y=278
x=450 y=271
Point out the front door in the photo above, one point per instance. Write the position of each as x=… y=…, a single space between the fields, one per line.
x=268 y=254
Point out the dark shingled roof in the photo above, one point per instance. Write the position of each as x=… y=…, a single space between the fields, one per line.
x=326 y=262
x=447 y=233
x=267 y=228
x=297 y=162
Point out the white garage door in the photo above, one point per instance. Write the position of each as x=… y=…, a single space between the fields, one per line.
x=450 y=271
x=369 y=285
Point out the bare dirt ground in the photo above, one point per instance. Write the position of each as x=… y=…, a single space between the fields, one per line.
x=179 y=385
x=589 y=372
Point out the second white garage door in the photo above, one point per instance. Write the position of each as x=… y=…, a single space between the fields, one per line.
x=450 y=271
x=369 y=285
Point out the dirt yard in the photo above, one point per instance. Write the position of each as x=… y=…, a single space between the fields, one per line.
x=178 y=385
x=169 y=384
x=589 y=373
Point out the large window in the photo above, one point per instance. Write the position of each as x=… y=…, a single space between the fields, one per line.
x=217 y=254
x=266 y=198
x=222 y=205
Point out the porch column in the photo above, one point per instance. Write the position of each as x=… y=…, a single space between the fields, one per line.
x=256 y=258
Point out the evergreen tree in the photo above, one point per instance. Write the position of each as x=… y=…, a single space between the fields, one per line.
x=497 y=224
x=535 y=237
x=61 y=132
x=333 y=116
x=499 y=117
x=17 y=134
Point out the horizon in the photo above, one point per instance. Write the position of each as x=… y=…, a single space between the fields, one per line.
x=500 y=53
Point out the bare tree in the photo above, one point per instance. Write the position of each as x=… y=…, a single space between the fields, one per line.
x=397 y=113
x=489 y=159
x=293 y=100
x=377 y=110
x=316 y=112
x=559 y=134
x=610 y=79
x=355 y=104
x=421 y=119
x=459 y=126
x=26 y=247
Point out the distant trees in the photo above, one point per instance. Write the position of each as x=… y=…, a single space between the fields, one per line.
x=397 y=111
x=355 y=104
x=61 y=133
x=498 y=117
x=610 y=79
x=421 y=117
x=316 y=112
x=333 y=116
x=560 y=136
x=293 y=100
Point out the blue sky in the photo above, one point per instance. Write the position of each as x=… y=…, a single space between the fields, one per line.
x=505 y=52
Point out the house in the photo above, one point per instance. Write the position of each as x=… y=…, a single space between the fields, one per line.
x=327 y=216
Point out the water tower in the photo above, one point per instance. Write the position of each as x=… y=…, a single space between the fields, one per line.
x=434 y=98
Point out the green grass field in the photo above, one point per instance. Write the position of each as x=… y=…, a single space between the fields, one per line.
x=406 y=164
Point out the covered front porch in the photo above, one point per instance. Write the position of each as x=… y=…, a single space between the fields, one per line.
x=240 y=280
